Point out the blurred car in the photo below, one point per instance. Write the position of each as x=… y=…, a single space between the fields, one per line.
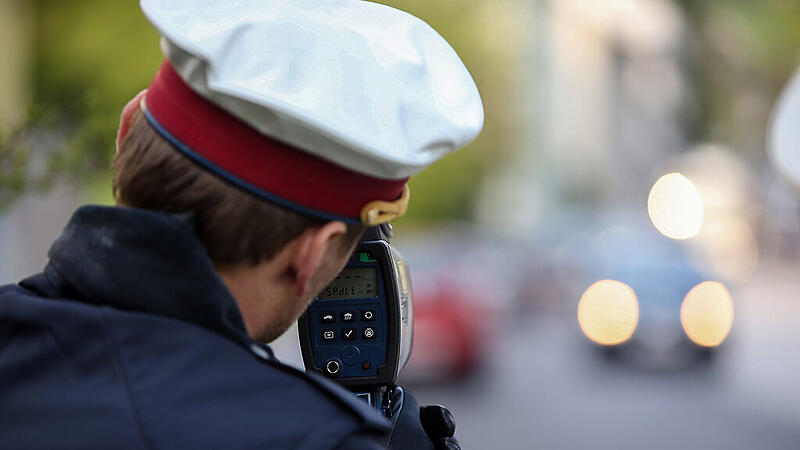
x=464 y=285
x=682 y=313
x=452 y=333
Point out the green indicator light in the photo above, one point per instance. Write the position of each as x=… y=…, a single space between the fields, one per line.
x=365 y=257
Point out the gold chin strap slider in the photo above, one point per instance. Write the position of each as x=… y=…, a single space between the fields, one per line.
x=378 y=211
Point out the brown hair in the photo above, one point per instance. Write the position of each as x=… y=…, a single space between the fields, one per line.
x=234 y=226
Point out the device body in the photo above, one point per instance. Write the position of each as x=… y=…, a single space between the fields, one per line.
x=358 y=330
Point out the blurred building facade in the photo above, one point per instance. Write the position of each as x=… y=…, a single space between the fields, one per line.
x=605 y=97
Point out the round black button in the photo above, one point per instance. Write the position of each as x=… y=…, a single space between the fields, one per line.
x=333 y=366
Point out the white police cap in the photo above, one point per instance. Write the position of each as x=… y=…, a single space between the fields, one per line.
x=359 y=84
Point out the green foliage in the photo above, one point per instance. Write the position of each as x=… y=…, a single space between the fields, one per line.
x=90 y=57
x=14 y=156
x=743 y=53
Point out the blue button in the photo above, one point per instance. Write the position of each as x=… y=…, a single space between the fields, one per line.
x=350 y=355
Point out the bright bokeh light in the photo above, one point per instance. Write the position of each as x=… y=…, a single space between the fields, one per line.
x=675 y=206
x=608 y=312
x=707 y=313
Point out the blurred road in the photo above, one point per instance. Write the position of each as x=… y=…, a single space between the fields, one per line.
x=546 y=387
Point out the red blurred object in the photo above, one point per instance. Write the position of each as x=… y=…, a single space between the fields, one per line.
x=452 y=331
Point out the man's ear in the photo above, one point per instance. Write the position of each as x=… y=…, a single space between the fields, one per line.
x=309 y=253
x=127 y=116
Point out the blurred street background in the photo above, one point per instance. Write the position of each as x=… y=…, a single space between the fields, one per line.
x=612 y=264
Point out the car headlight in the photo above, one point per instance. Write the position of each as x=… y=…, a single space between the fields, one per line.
x=707 y=313
x=608 y=312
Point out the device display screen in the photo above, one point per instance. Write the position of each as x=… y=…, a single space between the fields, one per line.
x=352 y=282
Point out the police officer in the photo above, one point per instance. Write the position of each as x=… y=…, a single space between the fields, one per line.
x=272 y=135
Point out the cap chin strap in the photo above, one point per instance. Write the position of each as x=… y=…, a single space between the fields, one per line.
x=379 y=211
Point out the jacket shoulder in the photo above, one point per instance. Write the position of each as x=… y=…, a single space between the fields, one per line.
x=172 y=384
x=198 y=389
x=59 y=385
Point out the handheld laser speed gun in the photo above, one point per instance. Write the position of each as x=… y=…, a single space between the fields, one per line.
x=358 y=330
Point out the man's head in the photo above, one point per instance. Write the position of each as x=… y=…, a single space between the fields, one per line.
x=272 y=259
x=285 y=128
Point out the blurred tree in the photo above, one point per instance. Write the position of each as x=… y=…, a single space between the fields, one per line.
x=89 y=58
x=742 y=53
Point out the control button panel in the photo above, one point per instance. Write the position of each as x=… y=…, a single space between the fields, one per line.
x=349 y=338
x=346 y=326
x=348 y=321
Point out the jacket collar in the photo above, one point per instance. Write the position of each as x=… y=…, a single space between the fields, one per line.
x=145 y=261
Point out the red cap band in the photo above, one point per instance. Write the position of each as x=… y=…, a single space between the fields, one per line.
x=261 y=165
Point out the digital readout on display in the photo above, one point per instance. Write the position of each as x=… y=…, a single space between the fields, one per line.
x=352 y=282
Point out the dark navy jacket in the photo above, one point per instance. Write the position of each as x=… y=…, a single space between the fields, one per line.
x=129 y=339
